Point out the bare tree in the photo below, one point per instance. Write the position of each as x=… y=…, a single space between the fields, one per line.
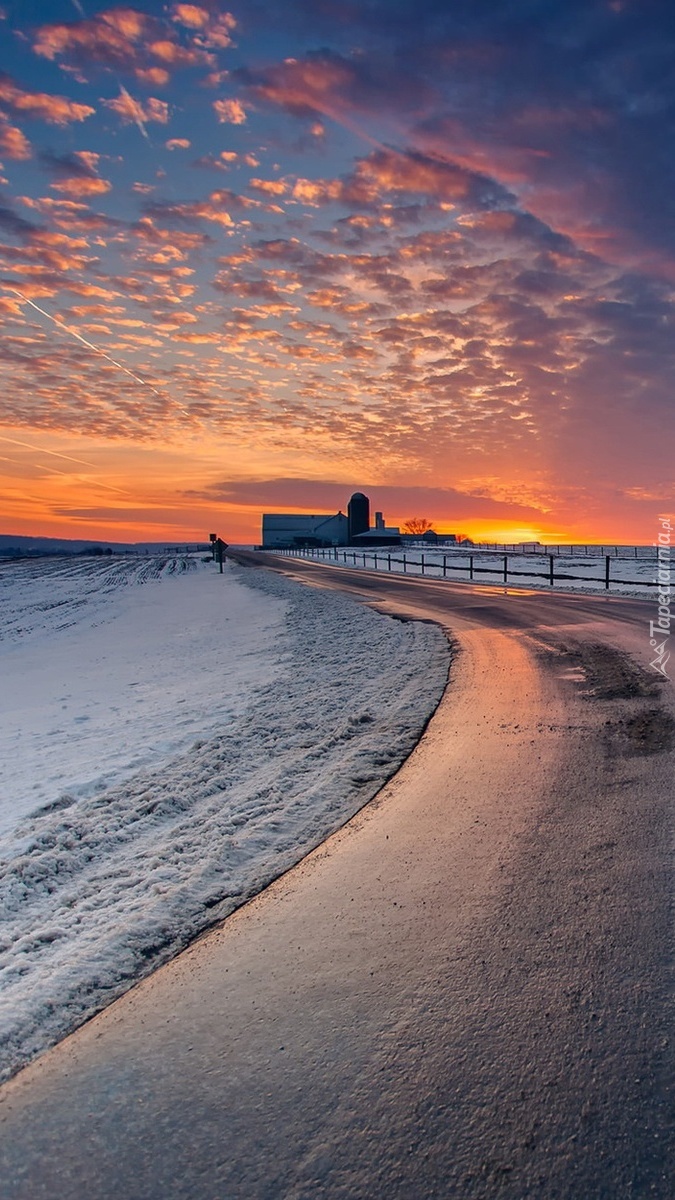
x=417 y=525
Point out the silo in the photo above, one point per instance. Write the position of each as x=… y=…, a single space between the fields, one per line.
x=358 y=512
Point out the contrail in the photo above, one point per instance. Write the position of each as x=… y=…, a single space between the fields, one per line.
x=87 y=479
x=134 y=107
x=90 y=346
x=39 y=450
x=55 y=454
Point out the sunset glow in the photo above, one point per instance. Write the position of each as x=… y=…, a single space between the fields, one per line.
x=258 y=256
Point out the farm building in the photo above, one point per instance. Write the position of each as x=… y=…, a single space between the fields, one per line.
x=299 y=530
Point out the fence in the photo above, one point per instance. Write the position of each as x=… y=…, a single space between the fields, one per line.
x=474 y=564
x=583 y=549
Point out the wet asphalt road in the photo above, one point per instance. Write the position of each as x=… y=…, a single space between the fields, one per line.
x=464 y=993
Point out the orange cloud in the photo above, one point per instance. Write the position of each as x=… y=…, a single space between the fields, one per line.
x=125 y=21
x=212 y=29
x=307 y=86
x=56 y=110
x=108 y=38
x=230 y=112
x=190 y=15
x=317 y=191
x=177 y=144
x=146 y=230
x=200 y=210
x=13 y=143
x=152 y=76
x=78 y=186
x=271 y=187
x=178 y=56
x=125 y=39
x=131 y=111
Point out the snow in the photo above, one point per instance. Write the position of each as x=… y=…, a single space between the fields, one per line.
x=176 y=740
x=629 y=575
x=94 y=670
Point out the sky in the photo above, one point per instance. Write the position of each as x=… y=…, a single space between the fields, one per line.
x=256 y=257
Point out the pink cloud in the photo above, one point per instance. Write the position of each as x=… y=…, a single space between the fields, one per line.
x=152 y=76
x=13 y=143
x=56 y=110
x=129 y=40
x=230 y=112
x=271 y=187
x=190 y=15
x=131 y=111
x=110 y=38
x=79 y=186
x=211 y=29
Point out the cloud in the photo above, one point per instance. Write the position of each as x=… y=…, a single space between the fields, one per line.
x=79 y=186
x=198 y=210
x=125 y=39
x=110 y=39
x=83 y=163
x=56 y=110
x=315 y=192
x=178 y=144
x=312 y=495
x=77 y=173
x=178 y=56
x=11 y=221
x=270 y=187
x=389 y=170
x=326 y=83
x=13 y=143
x=190 y=15
x=152 y=76
x=231 y=112
x=133 y=112
x=213 y=29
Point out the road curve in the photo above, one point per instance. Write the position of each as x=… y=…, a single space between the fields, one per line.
x=463 y=993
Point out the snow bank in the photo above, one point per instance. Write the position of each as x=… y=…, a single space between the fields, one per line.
x=103 y=886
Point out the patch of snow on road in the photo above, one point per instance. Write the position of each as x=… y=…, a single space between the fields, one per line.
x=105 y=885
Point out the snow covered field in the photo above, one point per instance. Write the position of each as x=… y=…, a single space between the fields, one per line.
x=629 y=576
x=102 y=677
x=172 y=740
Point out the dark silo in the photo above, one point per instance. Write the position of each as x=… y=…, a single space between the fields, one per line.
x=358 y=513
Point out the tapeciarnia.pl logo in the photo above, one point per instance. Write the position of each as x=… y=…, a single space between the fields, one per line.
x=659 y=630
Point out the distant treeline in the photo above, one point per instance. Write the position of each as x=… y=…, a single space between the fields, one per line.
x=13 y=546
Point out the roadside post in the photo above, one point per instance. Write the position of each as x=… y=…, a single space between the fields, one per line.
x=221 y=546
x=213 y=538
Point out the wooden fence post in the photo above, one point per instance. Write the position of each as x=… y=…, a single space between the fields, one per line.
x=550 y=569
x=607 y=562
x=506 y=569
